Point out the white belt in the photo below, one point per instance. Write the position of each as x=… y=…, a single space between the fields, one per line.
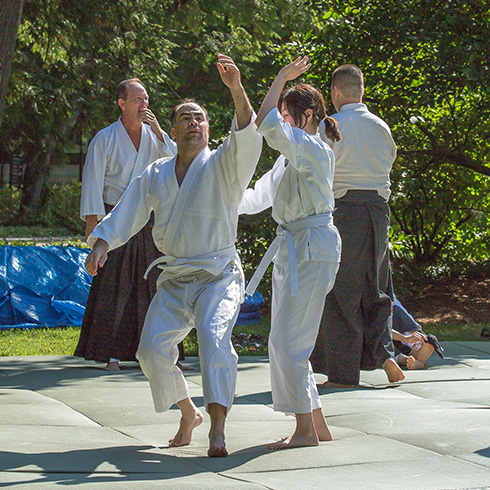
x=198 y=261
x=287 y=231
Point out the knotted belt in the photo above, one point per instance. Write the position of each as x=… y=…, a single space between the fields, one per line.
x=213 y=262
x=287 y=231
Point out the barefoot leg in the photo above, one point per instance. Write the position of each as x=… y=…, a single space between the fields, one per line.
x=112 y=365
x=422 y=353
x=217 y=446
x=304 y=435
x=321 y=427
x=407 y=361
x=401 y=359
x=191 y=418
x=411 y=362
x=393 y=370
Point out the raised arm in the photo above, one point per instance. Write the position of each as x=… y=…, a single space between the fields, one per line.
x=230 y=75
x=287 y=73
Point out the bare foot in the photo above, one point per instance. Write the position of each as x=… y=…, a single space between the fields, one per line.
x=410 y=362
x=295 y=441
x=416 y=364
x=321 y=427
x=112 y=366
x=187 y=425
x=330 y=384
x=393 y=371
x=182 y=367
x=217 y=446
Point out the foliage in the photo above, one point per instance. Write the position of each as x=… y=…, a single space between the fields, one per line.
x=425 y=66
x=71 y=56
x=59 y=214
x=62 y=207
x=9 y=204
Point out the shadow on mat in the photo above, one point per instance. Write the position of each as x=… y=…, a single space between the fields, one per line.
x=124 y=464
x=147 y=464
x=484 y=452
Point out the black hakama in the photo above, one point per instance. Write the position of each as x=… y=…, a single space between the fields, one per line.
x=118 y=301
x=355 y=331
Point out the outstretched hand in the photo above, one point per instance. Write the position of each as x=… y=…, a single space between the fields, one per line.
x=97 y=257
x=295 y=69
x=228 y=71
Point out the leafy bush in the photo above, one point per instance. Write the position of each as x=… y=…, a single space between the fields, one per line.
x=59 y=214
x=9 y=203
x=62 y=206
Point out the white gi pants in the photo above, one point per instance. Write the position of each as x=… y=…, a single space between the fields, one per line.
x=211 y=304
x=294 y=327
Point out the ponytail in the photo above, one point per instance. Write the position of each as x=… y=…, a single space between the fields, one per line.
x=332 y=129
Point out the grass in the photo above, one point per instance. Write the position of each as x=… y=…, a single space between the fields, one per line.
x=456 y=331
x=39 y=341
x=63 y=340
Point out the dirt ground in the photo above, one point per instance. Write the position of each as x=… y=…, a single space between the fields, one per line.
x=450 y=301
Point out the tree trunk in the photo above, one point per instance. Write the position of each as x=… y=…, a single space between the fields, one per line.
x=10 y=15
x=33 y=187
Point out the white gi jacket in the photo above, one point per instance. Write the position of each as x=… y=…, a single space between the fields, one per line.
x=299 y=189
x=195 y=224
x=365 y=155
x=113 y=162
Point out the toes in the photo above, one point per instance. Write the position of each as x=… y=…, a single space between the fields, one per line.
x=217 y=452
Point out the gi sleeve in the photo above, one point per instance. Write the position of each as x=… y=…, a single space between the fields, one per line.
x=282 y=137
x=239 y=154
x=167 y=147
x=259 y=198
x=92 y=201
x=129 y=215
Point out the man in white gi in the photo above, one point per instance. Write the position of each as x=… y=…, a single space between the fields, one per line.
x=355 y=331
x=195 y=198
x=120 y=296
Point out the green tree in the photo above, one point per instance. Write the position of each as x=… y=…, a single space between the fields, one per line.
x=426 y=67
x=10 y=14
x=71 y=55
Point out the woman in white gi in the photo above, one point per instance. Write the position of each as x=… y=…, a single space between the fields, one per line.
x=299 y=189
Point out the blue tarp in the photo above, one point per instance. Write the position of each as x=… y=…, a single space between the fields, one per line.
x=250 y=309
x=49 y=286
x=42 y=286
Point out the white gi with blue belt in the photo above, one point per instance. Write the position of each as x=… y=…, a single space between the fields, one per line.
x=306 y=254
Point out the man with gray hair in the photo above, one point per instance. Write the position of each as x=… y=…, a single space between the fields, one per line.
x=355 y=331
x=119 y=296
